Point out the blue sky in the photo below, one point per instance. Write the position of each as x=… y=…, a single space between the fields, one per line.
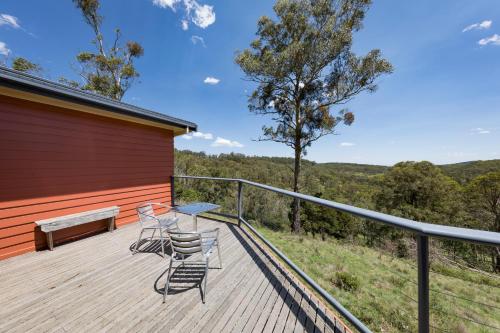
x=441 y=104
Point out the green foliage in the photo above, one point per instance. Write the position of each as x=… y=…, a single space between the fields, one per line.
x=109 y=72
x=418 y=191
x=464 y=172
x=304 y=66
x=413 y=190
x=324 y=221
x=346 y=281
x=483 y=194
x=386 y=293
x=26 y=66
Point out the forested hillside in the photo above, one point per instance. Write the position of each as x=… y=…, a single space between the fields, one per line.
x=348 y=255
x=455 y=194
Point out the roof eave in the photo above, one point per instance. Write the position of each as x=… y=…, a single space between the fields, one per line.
x=32 y=84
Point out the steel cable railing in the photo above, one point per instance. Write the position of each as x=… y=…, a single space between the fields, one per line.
x=422 y=231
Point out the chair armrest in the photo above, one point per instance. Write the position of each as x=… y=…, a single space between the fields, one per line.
x=208 y=233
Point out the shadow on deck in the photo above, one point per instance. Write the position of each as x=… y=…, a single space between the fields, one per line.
x=97 y=285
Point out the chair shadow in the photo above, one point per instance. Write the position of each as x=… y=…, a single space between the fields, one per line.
x=184 y=277
x=148 y=245
x=187 y=277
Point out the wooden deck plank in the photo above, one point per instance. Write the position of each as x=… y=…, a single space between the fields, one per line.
x=277 y=306
x=264 y=315
x=285 y=309
x=272 y=289
x=293 y=316
x=96 y=284
x=206 y=314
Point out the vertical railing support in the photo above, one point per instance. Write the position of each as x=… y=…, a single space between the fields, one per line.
x=423 y=283
x=172 y=190
x=240 y=202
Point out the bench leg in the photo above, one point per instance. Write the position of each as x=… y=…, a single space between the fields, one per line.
x=111 y=224
x=50 y=241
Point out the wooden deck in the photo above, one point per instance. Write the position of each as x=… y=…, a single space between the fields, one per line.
x=96 y=284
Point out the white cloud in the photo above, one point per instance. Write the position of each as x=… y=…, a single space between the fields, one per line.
x=478 y=26
x=197 y=39
x=198 y=135
x=9 y=20
x=347 y=144
x=221 y=142
x=200 y=15
x=211 y=80
x=166 y=3
x=206 y=136
x=4 y=50
x=480 y=130
x=495 y=40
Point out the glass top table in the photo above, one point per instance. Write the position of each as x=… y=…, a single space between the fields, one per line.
x=194 y=209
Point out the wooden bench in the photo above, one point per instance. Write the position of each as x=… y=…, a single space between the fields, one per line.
x=66 y=221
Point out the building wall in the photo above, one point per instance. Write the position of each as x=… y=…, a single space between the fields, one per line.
x=57 y=161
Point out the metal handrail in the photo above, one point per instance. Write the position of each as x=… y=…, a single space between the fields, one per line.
x=421 y=229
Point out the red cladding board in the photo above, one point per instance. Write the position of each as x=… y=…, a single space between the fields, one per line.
x=56 y=161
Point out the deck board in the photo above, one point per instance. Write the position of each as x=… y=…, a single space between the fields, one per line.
x=96 y=284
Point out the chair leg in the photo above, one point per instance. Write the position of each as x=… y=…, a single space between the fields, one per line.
x=162 y=245
x=204 y=292
x=219 y=255
x=154 y=231
x=168 y=281
x=138 y=240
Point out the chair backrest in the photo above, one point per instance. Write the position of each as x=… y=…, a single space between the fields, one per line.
x=146 y=213
x=185 y=243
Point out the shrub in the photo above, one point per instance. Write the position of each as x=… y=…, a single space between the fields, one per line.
x=402 y=250
x=346 y=281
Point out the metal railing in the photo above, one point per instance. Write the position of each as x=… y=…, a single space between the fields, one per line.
x=422 y=231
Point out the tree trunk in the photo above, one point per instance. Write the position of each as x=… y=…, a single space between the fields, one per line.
x=295 y=225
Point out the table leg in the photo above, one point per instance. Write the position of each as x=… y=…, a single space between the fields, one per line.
x=50 y=241
x=195 y=222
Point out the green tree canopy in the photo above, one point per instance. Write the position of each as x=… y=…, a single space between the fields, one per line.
x=26 y=66
x=109 y=72
x=483 y=200
x=304 y=66
x=419 y=191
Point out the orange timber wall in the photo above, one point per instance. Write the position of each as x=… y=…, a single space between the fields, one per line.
x=56 y=161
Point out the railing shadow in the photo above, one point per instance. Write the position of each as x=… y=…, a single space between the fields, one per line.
x=305 y=320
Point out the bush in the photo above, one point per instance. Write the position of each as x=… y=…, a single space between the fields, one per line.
x=402 y=250
x=346 y=281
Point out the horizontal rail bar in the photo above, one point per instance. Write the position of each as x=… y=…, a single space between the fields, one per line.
x=427 y=229
x=230 y=216
x=329 y=298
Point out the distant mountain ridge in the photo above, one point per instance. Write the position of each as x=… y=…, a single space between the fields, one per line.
x=461 y=172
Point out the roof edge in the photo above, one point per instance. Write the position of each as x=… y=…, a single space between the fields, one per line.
x=29 y=83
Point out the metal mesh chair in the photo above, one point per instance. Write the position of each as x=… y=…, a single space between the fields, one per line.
x=188 y=247
x=149 y=221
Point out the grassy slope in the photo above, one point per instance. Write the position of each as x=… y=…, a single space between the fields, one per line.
x=387 y=288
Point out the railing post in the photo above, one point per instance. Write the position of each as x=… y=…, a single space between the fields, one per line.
x=240 y=202
x=172 y=190
x=423 y=283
